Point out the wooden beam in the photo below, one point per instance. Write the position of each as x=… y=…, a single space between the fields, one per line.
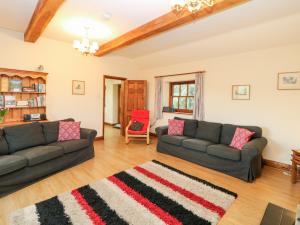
x=164 y=23
x=43 y=13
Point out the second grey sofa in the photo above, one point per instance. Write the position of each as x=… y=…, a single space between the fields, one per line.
x=207 y=144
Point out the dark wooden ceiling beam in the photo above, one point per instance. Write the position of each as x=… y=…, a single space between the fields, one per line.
x=164 y=23
x=43 y=13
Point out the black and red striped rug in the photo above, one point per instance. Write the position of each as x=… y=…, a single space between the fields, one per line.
x=152 y=193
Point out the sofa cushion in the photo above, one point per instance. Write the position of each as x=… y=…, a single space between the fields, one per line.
x=196 y=144
x=228 y=131
x=175 y=127
x=174 y=140
x=3 y=144
x=190 y=126
x=10 y=163
x=40 y=154
x=24 y=136
x=72 y=146
x=224 y=151
x=209 y=131
x=51 y=130
x=68 y=131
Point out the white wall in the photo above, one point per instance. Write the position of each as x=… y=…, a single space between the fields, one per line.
x=277 y=112
x=111 y=101
x=64 y=64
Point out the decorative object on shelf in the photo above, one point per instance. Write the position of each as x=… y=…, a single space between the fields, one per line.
x=78 y=87
x=15 y=85
x=288 y=81
x=10 y=101
x=35 y=117
x=2 y=101
x=193 y=6
x=28 y=89
x=22 y=103
x=85 y=46
x=168 y=109
x=3 y=112
x=240 y=92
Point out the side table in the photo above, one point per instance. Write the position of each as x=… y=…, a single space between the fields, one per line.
x=295 y=164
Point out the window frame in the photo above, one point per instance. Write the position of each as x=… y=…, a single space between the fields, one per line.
x=171 y=87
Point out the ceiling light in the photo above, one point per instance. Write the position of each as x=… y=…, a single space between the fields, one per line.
x=85 y=46
x=192 y=6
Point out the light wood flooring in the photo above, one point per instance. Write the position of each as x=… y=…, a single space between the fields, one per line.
x=113 y=156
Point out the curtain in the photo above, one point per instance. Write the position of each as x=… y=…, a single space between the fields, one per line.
x=198 y=112
x=158 y=99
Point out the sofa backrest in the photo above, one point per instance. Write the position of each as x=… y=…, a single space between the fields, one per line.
x=50 y=130
x=228 y=131
x=24 y=136
x=209 y=131
x=190 y=126
x=3 y=144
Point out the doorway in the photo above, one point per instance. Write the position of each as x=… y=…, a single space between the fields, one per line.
x=112 y=103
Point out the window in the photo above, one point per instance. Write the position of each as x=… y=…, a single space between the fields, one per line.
x=182 y=96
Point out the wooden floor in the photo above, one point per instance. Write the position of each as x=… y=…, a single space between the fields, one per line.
x=113 y=156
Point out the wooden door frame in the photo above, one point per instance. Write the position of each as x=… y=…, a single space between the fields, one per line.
x=107 y=77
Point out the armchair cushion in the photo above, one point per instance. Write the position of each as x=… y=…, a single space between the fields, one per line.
x=136 y=126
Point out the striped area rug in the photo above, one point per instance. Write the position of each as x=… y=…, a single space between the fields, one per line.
x=149 y=194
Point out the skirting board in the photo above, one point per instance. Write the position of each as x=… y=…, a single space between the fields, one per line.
x=277 y=165
x=99 y=138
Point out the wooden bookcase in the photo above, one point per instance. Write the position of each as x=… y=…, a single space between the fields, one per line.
x=28 y=78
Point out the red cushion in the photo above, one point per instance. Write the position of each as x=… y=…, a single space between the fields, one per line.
x=175 y=127
x=68 y=131
x=140 y=114
x=241 y=137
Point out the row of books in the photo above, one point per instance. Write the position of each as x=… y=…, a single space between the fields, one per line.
x=9 y=101
x=14 y=85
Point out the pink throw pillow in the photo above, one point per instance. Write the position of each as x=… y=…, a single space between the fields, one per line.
x=240 y=138
x=175 y=127
x=68 y=131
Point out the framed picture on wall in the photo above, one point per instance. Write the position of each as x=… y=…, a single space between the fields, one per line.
x=240 y=92
x=78 y=87
x=288 y=81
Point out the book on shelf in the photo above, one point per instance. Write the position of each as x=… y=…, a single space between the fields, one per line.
x=39 y=101
x=15 y=85
x=2 y=101
x=39 y=87
x=28 y=89
x=10 y=101
x=22 y=103
x=4 y=84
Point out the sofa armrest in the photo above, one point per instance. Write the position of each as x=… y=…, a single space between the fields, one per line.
x=253 y=148
x=160 y=131
x=88 y=134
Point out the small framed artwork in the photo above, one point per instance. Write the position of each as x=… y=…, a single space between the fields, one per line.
x=240 y=92
x=78 y=87
x=288 y=81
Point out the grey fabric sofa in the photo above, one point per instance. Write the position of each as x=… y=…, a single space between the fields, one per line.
x=30 y=152
x=207 y=144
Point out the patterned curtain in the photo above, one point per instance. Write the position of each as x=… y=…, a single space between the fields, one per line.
x=198 y=112
x=158 y=99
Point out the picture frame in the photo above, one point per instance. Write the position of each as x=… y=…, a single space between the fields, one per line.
x=241 y=92
x=288 y=81
x=78 y=87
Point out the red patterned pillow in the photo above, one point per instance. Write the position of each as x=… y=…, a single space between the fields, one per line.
x=68 y=131
x=175 y=127
x=241 y=137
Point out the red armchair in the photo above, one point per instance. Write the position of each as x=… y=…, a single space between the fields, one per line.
x=141 y=116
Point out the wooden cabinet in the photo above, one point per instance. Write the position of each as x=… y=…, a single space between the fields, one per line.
x=27 y=79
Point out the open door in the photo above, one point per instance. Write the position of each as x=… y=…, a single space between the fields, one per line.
x=134 y=94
